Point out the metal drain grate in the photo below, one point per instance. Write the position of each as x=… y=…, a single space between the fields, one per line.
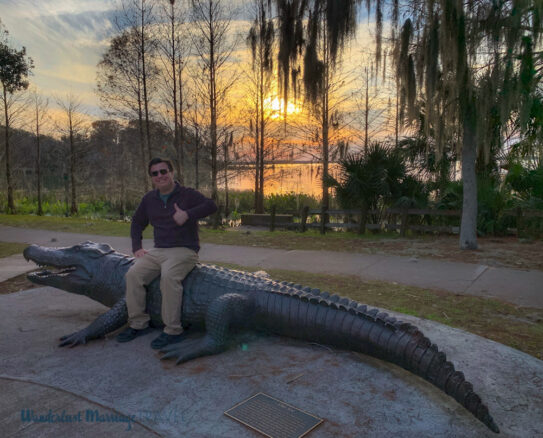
x=272 y=417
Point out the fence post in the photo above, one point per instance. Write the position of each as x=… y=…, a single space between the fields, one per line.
x=323 y=220
x=403 y=226
x=217 y=217
x=303 y=223
x=272 y=218
x=363 y=219
x=67 y=194
x=519 y=222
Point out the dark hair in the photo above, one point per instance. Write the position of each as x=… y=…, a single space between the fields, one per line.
x=157 y=160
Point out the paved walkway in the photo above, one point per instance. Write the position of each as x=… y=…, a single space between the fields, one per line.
x=520 y=287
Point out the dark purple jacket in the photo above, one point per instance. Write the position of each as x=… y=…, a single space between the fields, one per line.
x=167 y=233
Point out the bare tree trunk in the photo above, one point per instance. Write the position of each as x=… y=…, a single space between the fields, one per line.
x=145 y=179
x=468 y=117
x=397 y=124
x=122 y=177
x=212 y=100
x=468 y=227
x=11 y=204
x=257 y=206
x=325 y=156
x=144 y=80
x=38 y=167
x=73 y=208
x=181 y=150
x=213 y=114
x=261 y=42
x=226 y=146
x=176 y=145
x=261 y=143
x=196 y=160
x=366 y=114
x=325 y=128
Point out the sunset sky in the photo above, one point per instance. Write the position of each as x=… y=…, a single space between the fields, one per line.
x=66 y=38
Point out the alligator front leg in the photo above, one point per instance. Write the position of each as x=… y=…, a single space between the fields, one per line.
x=226 y=311
x=111 y=320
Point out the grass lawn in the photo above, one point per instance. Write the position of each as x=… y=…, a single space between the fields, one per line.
x=290 y=240
x=265 y=239
x=71 y=224
x=8 y=249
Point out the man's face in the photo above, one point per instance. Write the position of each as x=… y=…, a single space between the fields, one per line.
x=162 y=177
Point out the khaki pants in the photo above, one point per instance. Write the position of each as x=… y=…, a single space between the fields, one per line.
x=173 y=265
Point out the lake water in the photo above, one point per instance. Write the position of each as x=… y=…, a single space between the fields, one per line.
x=283 y=178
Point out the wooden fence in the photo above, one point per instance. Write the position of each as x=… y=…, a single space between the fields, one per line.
x=521 y=216
x=391 y=219
x=413 y=219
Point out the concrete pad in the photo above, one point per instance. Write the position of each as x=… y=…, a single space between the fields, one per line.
x=356 y=395
x=62 y=414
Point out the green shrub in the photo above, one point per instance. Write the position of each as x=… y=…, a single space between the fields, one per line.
x=239 y=200
x=376 y=180
x=289 y=202
x=525 y=182
x=492 y=200
x=242 y=201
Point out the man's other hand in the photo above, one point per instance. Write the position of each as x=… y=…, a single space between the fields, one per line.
x=140 y=253
x=180 y=216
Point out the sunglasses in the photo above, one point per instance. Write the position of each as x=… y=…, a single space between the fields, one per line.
x=161 y=171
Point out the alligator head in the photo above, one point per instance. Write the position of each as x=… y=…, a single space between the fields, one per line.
x=83 y=269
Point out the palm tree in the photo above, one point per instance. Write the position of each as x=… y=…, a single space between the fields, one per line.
x=376 y=180
x=472 y=64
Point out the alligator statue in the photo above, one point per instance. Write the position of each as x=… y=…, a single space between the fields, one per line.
x=217 y=299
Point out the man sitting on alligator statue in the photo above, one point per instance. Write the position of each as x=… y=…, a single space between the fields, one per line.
x=173 y=211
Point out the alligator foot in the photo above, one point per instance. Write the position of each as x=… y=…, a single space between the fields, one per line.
x=229 y=310
x=192 y=348
x=77 y=338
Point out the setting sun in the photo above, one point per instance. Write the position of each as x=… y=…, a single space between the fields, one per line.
x=276 y=108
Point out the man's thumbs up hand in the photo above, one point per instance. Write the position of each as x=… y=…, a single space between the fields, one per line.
x=180 y=216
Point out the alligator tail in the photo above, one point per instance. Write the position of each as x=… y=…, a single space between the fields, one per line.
x=313 y=315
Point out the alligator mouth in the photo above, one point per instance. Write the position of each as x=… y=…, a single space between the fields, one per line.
x=50 y=272
x=47 y=273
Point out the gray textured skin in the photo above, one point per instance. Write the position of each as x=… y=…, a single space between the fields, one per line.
x=217 y=299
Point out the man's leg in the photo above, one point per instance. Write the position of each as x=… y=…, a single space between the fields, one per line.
x=176 y=263
x=141 y=273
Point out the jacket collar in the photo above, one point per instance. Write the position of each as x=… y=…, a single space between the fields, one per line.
x=176 y=188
